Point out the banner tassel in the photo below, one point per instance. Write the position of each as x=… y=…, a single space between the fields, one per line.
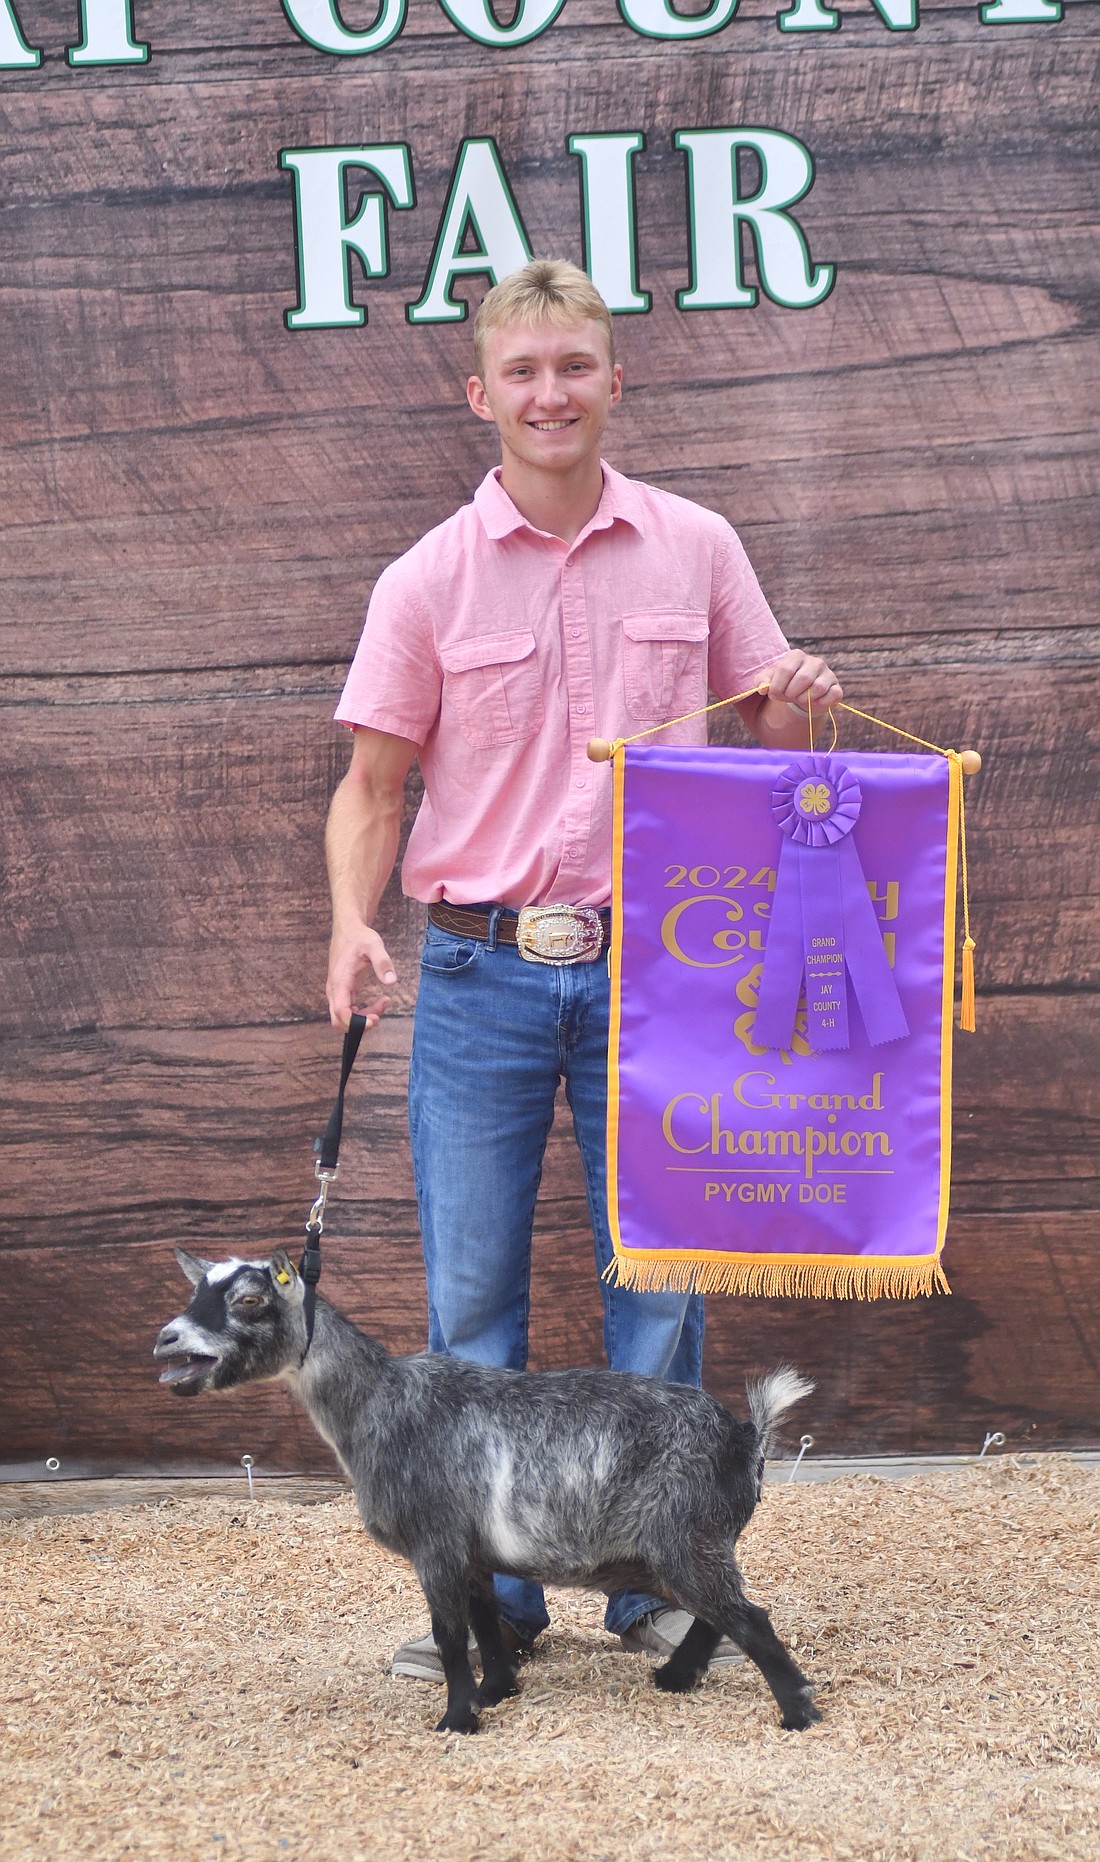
x=966 y=1001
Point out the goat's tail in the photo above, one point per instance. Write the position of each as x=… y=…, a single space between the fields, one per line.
x=770 y=1396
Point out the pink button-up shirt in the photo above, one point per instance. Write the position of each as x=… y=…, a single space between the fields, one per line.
x=500 y=650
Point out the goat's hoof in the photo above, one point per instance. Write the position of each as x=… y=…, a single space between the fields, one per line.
x=800 y=1714
x=673 y=1680
x=491 y=1692
x=458 y=1720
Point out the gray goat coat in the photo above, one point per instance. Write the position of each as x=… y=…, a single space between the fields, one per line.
x=587 y=1477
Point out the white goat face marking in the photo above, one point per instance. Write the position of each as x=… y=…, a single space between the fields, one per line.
x=194 y=1340
x=225 y=1270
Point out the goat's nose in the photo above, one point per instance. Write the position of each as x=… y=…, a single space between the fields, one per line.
x=166 y=1337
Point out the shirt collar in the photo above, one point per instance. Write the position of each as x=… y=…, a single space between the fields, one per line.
x=620 y=499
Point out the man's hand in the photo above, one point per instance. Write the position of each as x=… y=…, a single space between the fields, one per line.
x=352 y=958
x=798 y=680
x=805 y=682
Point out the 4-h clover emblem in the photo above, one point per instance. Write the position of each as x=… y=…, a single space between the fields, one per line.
x=815 y=798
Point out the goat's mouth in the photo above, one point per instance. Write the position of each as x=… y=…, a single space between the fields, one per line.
x=188 y=1372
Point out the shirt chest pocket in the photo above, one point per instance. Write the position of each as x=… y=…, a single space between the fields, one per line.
x=492 y=688
x=665 y=662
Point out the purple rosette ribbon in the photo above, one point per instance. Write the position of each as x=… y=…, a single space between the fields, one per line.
x=823 y=926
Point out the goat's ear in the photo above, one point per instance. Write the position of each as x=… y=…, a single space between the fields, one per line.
x=193 y=1265
x=284 y=1274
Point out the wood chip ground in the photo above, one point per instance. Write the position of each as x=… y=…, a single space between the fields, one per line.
x=208 y=1679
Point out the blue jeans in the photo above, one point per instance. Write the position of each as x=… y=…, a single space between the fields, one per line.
x=492 y=1037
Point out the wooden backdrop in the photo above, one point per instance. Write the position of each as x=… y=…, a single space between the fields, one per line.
x=195 y=503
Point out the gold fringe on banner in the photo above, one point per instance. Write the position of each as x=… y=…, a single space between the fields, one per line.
x=783 y=1279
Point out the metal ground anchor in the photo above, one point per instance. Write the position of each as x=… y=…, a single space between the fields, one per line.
x=804 y=1442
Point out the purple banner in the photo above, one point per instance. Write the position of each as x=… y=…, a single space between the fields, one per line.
x=821 y=1164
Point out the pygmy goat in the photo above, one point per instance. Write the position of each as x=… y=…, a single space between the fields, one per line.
x=591 y=1478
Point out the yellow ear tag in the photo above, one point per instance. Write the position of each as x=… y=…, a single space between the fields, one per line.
x=283 y=1277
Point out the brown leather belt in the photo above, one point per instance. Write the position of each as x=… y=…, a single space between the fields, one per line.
x=542 y=933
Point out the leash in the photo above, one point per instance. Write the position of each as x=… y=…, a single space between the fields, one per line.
x=327 y=1152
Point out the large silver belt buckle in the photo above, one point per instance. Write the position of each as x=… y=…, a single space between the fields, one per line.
x=559 y=933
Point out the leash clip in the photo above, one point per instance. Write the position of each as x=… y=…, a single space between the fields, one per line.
x=326 y=1175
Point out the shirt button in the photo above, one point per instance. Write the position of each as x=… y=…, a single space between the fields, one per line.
x=580 y=710
x=574 y=633
x=582 y=782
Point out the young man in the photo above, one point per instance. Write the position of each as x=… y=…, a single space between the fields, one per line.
x=565 y=602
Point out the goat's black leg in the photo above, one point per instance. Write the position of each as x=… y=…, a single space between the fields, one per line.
x=446 y=1587
x=687 y=1665
x=498 y=1667
x=751 y=1629
x=720 y=1599
x=451 y=1638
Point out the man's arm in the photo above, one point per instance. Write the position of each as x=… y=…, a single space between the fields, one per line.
x=361 y=840
x=799 y=684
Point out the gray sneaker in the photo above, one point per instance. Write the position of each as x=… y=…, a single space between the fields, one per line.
x=421 y=1660
x=660 y=1632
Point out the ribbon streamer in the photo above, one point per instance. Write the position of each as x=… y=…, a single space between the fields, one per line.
x=823 y=926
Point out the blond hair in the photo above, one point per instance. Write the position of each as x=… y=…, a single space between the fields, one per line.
x=547 y=291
